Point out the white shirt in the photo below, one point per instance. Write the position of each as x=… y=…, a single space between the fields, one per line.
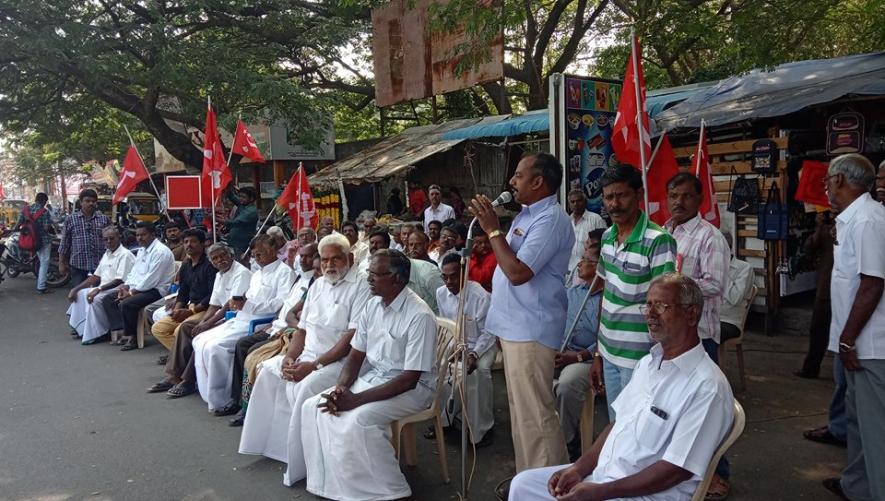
x=442 y=213
x=114 y=265
x=268 y=288
x=233 y=282
x=705 y=256
x=425 y=279
x=476 y=307
x=295 y=294
x=330 y=310
x=737 y=294
x=396 y=338
x=696 y=399
x=154 y=268
x=860 y=233
x=360 y=251
x=588 y=222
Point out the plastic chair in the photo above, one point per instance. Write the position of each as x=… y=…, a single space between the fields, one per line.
x=737 y=427
x=738 y=344
x=258 y=323
x=444 y=348
x=587 y=421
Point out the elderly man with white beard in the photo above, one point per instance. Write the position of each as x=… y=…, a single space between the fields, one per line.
x=273 y=426
x=213 y=349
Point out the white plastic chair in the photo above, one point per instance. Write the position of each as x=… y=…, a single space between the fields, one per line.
x=737 y=427
x=738 y=344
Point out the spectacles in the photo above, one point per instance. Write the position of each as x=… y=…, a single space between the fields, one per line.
x=658 y=308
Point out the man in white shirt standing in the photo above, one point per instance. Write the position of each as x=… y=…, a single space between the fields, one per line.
x=87 y=316
x=583 y=222
x=481 y=352
x=437 y=211
x=149 y=280
x=671 y=416
x=213 y=349
x=346 y=431
x=857 y=329
x=315 y=357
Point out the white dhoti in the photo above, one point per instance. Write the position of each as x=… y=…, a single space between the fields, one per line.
x=214 y=359
x=160 y=314
x=272 y=427
x=89 y=319
x=532 y=484
x=349 y=456
x=480 y=397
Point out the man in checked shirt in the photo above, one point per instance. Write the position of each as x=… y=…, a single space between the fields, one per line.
x=82 y=244
x=702 y=254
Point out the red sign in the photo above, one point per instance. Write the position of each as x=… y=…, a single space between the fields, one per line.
x=183 y=192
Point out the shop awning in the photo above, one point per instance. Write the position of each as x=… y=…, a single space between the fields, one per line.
x=395 y=153
x=785 y=89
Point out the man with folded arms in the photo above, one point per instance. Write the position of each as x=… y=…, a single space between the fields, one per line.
x=671 y=416
x=315 y=357
x=346 y=431
x=231 y=281
x=195 y=281
x=88 y=318
x=213 y=350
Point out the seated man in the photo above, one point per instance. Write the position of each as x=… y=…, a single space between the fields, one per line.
x=379 y=239
x=360 y=250
x=303 y=237
x=417 y=248
x=148 y=281
x=196 y=278
x=481 y=352
x=424 y=280
x=312 y=363
x=671 y=416
x=213 y=349
x=87 y=316
x=433 y=229
x=572 y=382
x=448 y=240
x=286 y=319
x=483 y=261
x=346 y=431
x=173 y=240
x=231 y=281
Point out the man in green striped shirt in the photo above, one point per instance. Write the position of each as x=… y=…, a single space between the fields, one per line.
x=635 y=251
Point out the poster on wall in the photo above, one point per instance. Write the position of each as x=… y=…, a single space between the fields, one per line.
x=590 y=108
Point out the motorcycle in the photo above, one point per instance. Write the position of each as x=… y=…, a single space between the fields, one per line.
x=14 y=261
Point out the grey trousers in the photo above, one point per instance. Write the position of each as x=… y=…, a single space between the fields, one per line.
x=865 y=407
x=570 y=390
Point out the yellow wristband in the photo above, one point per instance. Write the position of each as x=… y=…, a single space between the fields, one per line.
x=496 y=233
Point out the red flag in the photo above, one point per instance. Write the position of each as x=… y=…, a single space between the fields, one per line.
x=626 y=136
x=2 y=193
x=298 y=201
x=709 y=209
x=216 y=175
x=133 y=173
x=245 y=145
x=663 y=167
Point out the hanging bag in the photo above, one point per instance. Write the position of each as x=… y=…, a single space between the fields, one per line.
x=29 y=234
x=774 y=222
x=743 y=197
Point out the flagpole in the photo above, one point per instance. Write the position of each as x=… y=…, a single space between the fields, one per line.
x=654 y=152
x=159 y=199
x=300 y=174
x=697 y=155
x=211 y=179
x=639 y=112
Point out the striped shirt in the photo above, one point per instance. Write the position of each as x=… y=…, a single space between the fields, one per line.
x=628 y=269
x=705 y=258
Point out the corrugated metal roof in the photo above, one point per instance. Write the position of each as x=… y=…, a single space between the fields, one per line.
x=395 y=153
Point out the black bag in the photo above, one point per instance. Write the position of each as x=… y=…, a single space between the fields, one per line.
x=764 y=157
x=774 y=220
x=743 y=198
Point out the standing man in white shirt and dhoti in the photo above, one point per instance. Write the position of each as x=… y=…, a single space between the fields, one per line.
x=857 y=330
x=315 y=357
x=213 y=349
x=87 y=316
x=346 y=431
x=528 y=306
x=671 y=416
x=149 y=280
x=481 y=352
x=436 y=211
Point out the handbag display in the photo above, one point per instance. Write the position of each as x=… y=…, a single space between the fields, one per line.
x=743 y=198
x=774 y=221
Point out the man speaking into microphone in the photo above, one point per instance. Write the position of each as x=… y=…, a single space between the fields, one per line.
x=528 y=304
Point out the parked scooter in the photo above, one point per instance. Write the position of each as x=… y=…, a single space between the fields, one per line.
x=14 y=261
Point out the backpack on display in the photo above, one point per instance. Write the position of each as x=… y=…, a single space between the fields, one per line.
x=29 y=234
x=743 y=198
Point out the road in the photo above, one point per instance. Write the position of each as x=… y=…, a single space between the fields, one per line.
x=76 y=423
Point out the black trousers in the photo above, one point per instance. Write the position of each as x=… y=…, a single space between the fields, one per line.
x=818 y=336
x=244 y=346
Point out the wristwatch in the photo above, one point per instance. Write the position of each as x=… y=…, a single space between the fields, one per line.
x=580 y=357
x=495 y=233
x=847 y=348
x=319 y=365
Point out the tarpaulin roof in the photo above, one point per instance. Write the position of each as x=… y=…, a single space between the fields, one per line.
x=395 y=153
x=785 y=89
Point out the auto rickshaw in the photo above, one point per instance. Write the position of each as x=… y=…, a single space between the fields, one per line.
x=142 y=207
x=10 y=210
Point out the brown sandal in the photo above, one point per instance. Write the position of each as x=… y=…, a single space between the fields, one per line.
x=718 y=489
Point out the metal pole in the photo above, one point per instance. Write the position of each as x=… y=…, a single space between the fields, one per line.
x=571 y=329
x=639 y=113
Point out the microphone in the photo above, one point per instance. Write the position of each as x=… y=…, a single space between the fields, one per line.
x=504 y=198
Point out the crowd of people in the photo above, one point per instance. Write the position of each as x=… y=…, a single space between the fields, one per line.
x=316 y=345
